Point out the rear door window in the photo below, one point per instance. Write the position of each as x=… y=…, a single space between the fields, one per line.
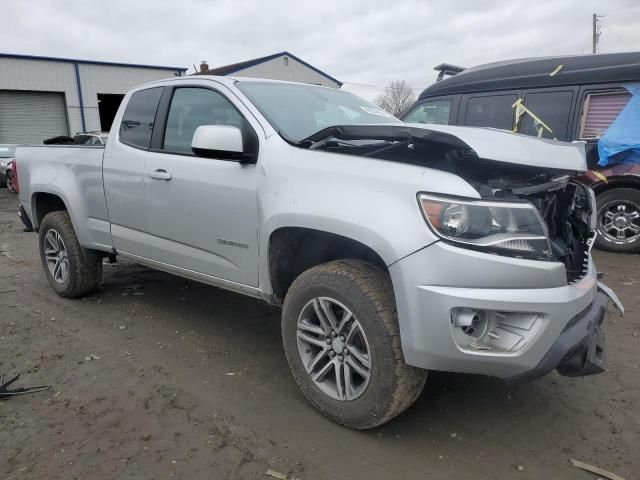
x=431 y=111
x=599 y=110
x=553 y=108
x=490 y=111
x=138 y=118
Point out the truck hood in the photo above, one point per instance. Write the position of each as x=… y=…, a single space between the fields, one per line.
x=482 y=143
x=505 y=146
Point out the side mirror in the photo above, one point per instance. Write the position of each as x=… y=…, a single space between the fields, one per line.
x=219 y=141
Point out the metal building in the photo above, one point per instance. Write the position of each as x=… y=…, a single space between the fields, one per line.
x=279 y=66
x=43 y=97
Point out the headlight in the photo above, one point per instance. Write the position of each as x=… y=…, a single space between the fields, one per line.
x=508 y=227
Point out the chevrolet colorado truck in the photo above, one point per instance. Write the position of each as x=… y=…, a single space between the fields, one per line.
x=394 y=249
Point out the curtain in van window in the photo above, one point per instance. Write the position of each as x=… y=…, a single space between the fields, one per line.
x=599 y=110
x=621 y=142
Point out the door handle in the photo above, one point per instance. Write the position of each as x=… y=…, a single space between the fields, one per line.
x=159 y=174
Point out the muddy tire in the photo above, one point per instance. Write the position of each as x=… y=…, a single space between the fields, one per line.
x=618 y=220
x=72 y=270
x=342 y=341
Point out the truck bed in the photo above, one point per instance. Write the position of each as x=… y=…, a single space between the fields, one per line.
x=73 y=173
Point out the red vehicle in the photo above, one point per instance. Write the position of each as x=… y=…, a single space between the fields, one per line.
x=7 y=154
x=566 y=98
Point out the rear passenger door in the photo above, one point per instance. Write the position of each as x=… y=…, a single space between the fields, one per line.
x=124 y=172
x=202 y=212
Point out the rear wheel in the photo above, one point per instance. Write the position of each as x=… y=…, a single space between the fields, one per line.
x=342 y=341
x=618 y=220
x=72 y=270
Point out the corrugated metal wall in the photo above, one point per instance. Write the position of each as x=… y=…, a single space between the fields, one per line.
x=31 y=117
x=36 y=75
x=109 y=79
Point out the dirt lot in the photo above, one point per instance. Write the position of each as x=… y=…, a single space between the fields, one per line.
x=190 y=382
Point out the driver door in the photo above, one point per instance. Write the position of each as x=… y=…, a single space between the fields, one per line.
x=203 y=212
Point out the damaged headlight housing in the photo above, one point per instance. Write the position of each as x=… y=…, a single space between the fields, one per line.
x=512 y=228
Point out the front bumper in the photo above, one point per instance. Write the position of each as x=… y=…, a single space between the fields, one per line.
x=432 y=283
x=578 y=351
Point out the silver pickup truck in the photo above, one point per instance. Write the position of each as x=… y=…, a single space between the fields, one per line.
x=393 y=248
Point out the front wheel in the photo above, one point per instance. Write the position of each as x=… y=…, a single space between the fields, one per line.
x=342 y=342
x=72 y=270
x=618 y=220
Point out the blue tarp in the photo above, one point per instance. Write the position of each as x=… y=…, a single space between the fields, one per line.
x=621 y=142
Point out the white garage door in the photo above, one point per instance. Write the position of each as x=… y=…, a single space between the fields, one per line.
x=30 y=117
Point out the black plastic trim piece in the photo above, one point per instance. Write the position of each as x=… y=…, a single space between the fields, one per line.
x=578 y=350
x=25 y=219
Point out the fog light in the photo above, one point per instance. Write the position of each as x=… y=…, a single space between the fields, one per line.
x=472 y=322
x=479 y=330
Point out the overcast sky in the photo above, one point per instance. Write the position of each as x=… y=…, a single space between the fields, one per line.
x=367 y=42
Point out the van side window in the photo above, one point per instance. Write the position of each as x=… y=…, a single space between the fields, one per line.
x=192 y=107
x=553 y=108
x=434 y=111
x=599 y=110
x=491 y=111
x=138 y=118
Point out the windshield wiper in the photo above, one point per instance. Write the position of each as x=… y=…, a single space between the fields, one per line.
x=390 y=145
x=328 y=140
x=358 y=136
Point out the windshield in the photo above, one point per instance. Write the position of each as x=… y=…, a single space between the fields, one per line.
x=297 y=111
x=7 y=151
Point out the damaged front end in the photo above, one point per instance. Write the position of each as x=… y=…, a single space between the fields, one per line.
x=526 y=205
x=567 y=209
x=528 y=208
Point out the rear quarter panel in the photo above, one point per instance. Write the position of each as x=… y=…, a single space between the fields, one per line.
x=73 y=173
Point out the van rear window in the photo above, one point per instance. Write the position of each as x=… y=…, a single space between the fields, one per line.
x=553 y=108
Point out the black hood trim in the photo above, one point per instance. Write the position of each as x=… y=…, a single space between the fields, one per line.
x=431 y=149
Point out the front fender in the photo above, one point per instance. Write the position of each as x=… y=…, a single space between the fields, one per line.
x=373 y=202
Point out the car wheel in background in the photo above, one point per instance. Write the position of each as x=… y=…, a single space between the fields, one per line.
x=618 y=220
x=9 y=182
x=342 y=342
x=71 y=269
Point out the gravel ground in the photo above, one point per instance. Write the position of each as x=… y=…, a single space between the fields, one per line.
x=189 y=381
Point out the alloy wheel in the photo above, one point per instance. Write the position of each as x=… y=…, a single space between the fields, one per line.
x=334 y=349
x=56 y=256
x=620 y=221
